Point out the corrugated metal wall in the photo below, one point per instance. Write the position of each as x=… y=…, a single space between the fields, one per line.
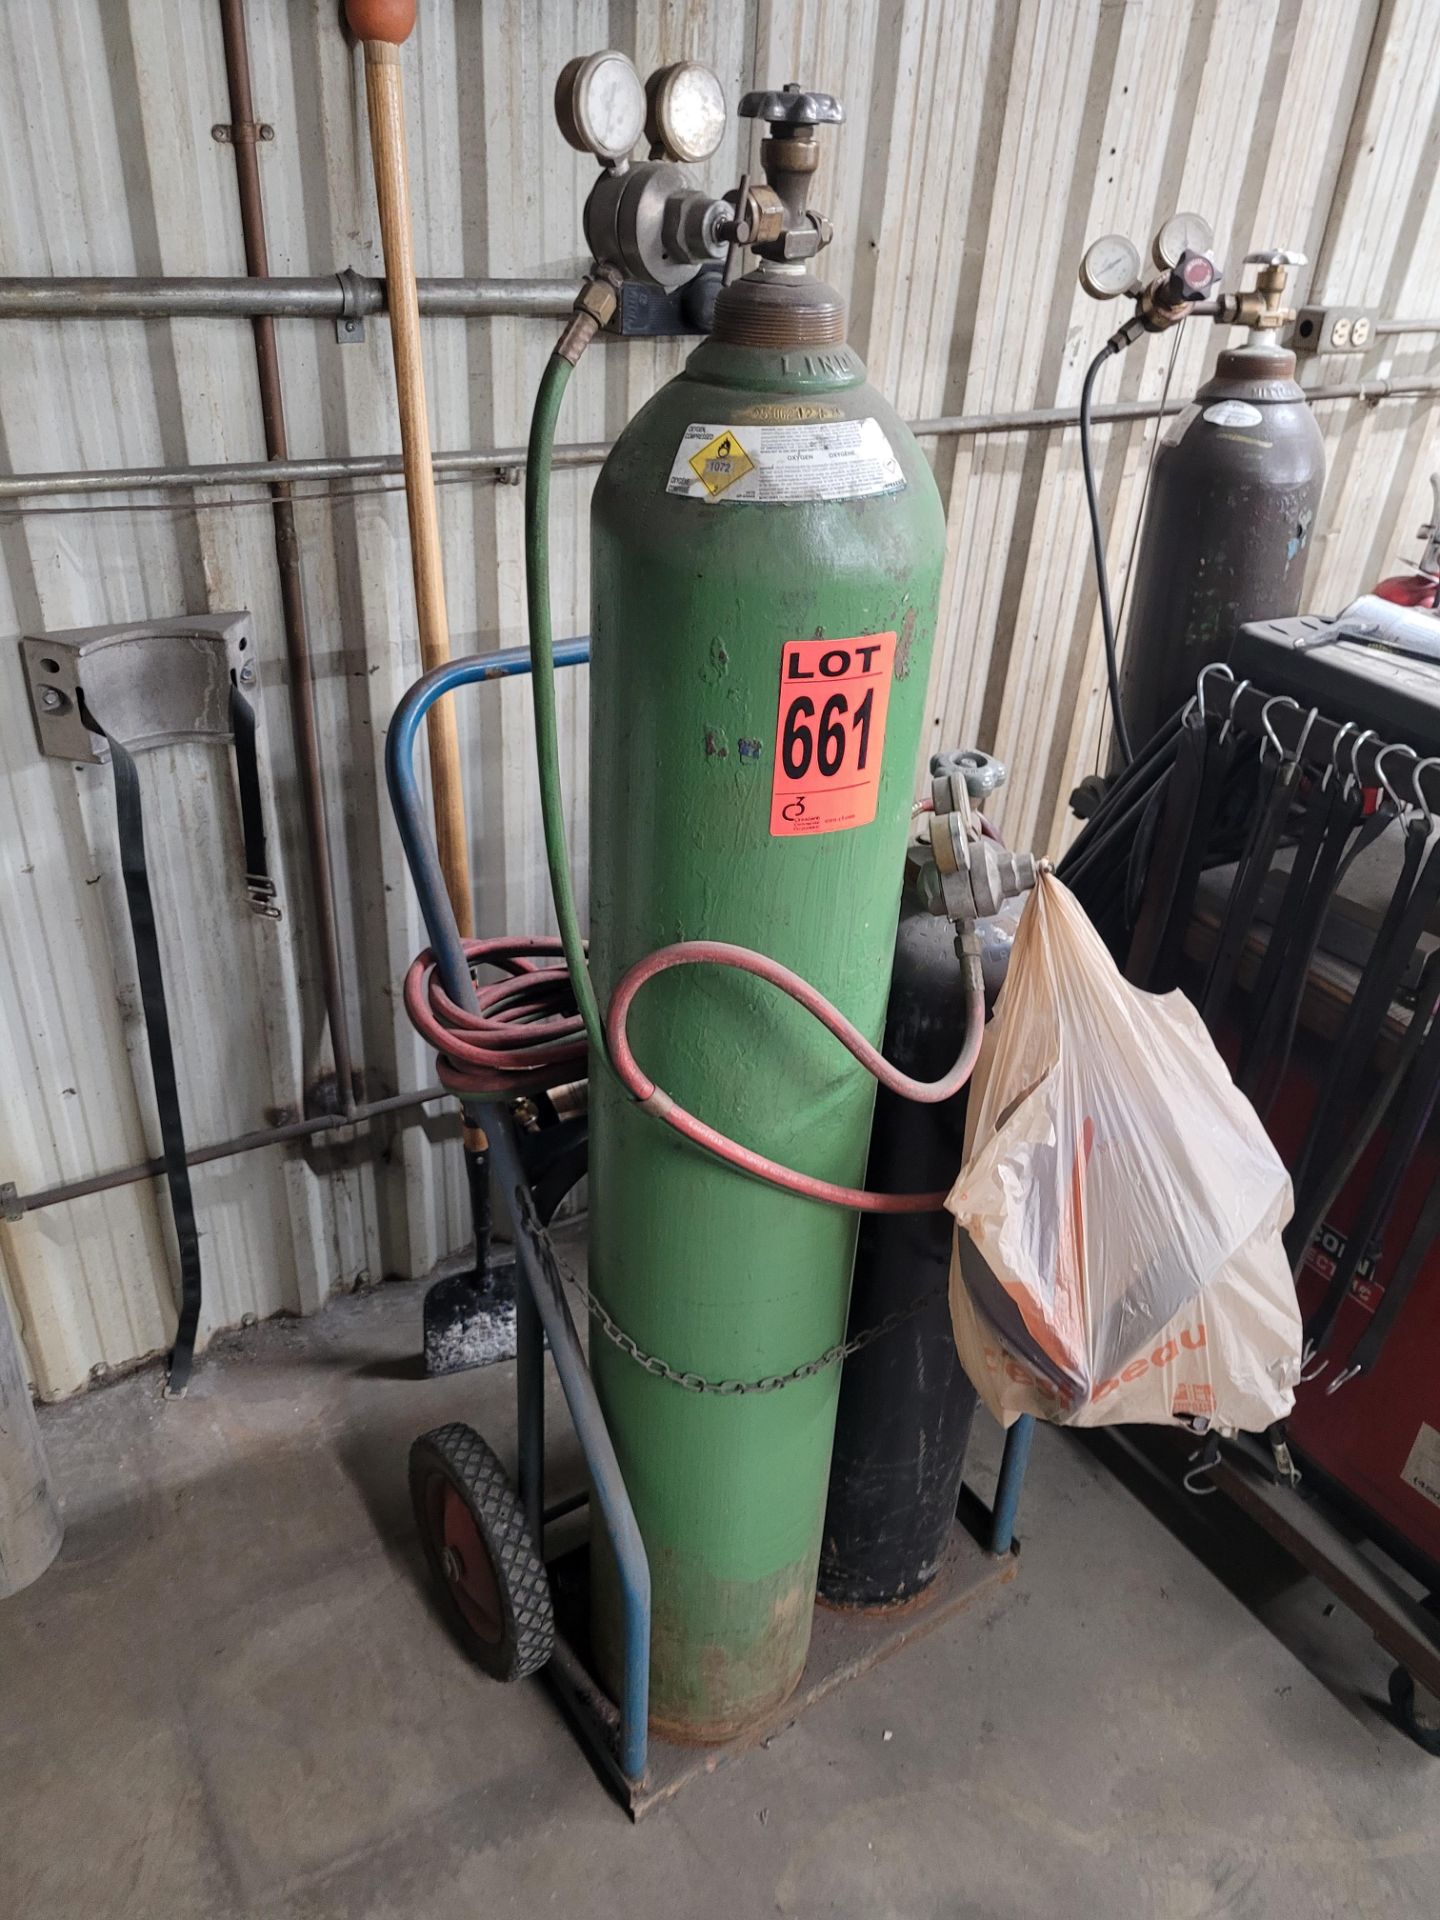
x=986 y=142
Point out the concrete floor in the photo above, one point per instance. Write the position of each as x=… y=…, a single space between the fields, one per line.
x=231 y=1699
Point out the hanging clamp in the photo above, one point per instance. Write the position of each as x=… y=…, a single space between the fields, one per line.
x=261 y=892
x=241 y=132
x=1285 y=1467
x=350 y=324
x=1202 y=1462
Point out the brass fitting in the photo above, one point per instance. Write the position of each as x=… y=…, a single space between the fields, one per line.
x=782 y=226
x=595 y=307
x=761 y=220
x=1260 y=308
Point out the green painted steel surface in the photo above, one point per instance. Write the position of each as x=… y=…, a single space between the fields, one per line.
x=720 y=1275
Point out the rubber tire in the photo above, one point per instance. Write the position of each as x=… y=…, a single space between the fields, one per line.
x=457 y=1457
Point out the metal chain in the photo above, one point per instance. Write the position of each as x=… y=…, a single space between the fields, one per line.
x=772 y=1383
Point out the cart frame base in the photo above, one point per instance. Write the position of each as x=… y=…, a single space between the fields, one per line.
x=844 y=1644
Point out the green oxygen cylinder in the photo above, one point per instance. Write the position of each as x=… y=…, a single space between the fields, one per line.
x=766 y=550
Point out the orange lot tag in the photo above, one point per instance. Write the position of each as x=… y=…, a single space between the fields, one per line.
x=830 y=733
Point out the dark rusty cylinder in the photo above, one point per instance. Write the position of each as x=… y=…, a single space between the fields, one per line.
x=905 y=1406
x=1237 y=482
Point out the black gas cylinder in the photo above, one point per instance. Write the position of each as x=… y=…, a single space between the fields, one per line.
x=905 y=1405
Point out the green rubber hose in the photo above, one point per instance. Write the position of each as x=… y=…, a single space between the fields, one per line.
x=553 y=383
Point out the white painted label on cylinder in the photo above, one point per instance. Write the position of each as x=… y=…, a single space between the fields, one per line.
x=816 y=460
x=1233 y=413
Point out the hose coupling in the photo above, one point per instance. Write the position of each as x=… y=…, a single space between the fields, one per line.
x=595 y=306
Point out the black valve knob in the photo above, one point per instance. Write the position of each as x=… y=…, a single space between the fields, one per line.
x=790 y=107
x=1191 y=278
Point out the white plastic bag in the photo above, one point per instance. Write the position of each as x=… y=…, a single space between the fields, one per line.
x=1118 y=1217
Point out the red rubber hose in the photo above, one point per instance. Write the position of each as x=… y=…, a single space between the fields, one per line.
x=721 y=954
x=528 y=1020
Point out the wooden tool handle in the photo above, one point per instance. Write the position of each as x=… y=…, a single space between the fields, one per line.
x=384 y=90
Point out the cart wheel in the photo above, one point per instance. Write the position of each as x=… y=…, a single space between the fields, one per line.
x=479 y=1549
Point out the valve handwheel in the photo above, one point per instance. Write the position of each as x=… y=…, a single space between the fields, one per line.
x=480 y=1551
x=791 y=106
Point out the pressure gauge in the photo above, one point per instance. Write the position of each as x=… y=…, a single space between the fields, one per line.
x=1111 y=267
x=600 y=105
x=686 y=118
x=1182 y=233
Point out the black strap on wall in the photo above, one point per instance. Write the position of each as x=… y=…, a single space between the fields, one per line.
x=1162 y=874
x=1406 y=916
x=1136 y=874
x=1278 y=781
x=258 y=884
x=1317 y=804
x=1220 y=751
x=1398 y=1288
x=1107 y=838
x=136 y=874
x=1149 y=766
x=1328 y=1180
x=1338 y=855
x=1416 y=1106
x=1330 y=817
x=130 y=822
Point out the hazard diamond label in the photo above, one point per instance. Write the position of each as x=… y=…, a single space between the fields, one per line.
x=783 y=465
x=721 y=463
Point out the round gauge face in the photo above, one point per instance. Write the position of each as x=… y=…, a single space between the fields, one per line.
x=606 y=105
x=688 y=112
x=1181 y=233
x=1111 y=264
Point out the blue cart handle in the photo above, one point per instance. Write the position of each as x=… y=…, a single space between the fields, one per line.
x=409 y=805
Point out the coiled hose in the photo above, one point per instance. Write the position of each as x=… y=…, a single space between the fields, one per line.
x=541 y=1015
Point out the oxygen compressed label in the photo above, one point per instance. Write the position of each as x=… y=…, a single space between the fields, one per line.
x=812 y=460
x=830 y=733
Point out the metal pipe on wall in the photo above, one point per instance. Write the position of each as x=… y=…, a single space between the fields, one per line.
x=253 y=473
x=14 y=1206
x=287 y=550
x=335 y=296
x=511 y=460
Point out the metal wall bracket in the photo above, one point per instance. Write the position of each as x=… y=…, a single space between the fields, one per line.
x=228 y=134
x=148 y=684
x=651 y=313
x=350 y=326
